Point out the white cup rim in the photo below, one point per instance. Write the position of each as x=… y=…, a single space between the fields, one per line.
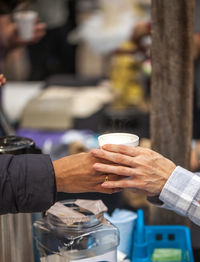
x=134 y=138
x=25 y=14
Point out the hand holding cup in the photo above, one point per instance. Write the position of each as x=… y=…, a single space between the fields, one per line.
x=147 y=171
x=28 y=28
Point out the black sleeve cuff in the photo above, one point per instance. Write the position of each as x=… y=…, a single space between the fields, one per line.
x=33 y=183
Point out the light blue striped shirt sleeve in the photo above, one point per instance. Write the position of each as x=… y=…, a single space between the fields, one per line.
x=181 y=194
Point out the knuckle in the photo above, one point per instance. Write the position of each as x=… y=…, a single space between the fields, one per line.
x=138 y=160
x=148 y=152
x=118 y=157
x=129 y=161
x=121 y=170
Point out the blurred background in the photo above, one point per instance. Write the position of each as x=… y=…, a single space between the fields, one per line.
x=85 y=71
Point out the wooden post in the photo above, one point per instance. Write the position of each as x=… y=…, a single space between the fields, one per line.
x=172 y=83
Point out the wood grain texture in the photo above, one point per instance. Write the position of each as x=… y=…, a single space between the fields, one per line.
x=172 y=86
x=172 y=78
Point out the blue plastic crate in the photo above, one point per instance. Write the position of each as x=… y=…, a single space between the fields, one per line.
x=147 y=238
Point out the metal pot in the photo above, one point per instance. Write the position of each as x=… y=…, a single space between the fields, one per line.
x=16 y=145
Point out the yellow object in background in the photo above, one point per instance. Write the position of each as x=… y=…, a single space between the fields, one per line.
x=125 y=77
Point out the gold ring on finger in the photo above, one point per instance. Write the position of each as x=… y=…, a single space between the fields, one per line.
x=106 y=179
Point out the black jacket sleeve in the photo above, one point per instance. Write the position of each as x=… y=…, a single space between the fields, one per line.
x=27 y=183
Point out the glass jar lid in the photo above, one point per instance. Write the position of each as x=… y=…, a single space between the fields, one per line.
x=92 y=220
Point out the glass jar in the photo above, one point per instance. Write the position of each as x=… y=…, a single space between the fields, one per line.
x=91 y=241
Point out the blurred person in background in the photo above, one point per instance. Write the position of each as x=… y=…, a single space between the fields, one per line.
x=53 y=54
x=13 y=55
x=9 y=41
x=9 y=35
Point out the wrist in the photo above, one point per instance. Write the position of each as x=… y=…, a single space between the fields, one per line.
x=170 y=167
x=58 y=170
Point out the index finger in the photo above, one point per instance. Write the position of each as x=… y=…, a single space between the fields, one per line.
x=123 y=149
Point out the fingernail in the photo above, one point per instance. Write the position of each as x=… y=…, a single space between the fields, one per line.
x=94 y=151
x=96 y=166
x=105 y=184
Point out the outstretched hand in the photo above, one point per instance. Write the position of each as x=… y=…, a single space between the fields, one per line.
x=75 y=174
x=145 y=171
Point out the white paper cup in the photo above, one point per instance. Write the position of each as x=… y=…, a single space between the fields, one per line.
x=25 y=21
x=119 y=139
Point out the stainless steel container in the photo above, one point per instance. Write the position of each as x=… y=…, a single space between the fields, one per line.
x=94 y=240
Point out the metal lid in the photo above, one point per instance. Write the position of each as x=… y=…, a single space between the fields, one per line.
x=14 y=143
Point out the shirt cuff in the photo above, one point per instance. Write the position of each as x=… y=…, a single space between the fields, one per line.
x=180 y=190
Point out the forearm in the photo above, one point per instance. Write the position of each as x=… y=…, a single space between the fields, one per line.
x=27 y=183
